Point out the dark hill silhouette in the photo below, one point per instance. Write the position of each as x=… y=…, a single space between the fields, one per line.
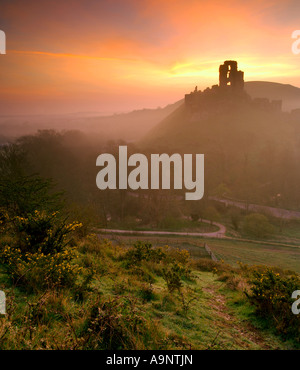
x=172 y=124
x=252 y=149
x=216 y=129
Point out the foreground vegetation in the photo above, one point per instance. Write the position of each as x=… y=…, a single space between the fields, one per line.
x=68 y=289
x=143 y=297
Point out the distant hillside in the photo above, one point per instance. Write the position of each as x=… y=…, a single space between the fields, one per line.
x=133 y=125
x=253 y=150
x=130 y=126
x=174 y=125
x=290 y=95
x=126 y=126
x=217 y=129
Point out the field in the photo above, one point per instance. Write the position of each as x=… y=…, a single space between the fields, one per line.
x=230 y=251
x=169 y=224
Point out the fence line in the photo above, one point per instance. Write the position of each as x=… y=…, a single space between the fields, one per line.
x=210 y=252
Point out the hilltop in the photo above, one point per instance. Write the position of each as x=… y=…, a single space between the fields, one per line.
x=250 y=144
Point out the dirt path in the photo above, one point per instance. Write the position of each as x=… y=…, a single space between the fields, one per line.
x=244 y=334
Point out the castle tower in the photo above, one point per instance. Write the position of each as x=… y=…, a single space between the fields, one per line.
x=230 y=76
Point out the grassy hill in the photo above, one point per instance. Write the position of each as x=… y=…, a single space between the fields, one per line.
x=236 y=127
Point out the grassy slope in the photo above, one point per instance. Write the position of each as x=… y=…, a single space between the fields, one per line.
x=217 y=317
x=211 y=322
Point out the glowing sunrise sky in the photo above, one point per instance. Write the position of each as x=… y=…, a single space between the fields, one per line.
x=117 y=55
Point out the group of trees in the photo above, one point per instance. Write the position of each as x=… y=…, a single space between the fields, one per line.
x=42 y=169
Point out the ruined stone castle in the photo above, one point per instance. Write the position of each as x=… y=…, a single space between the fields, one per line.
x=228 y=94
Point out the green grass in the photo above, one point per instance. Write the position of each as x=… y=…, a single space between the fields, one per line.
x=203 y=314
x=252 y=253
x=291 y=229
x=179 y=225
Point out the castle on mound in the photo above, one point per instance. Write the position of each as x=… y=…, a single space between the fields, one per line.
x=228 y=94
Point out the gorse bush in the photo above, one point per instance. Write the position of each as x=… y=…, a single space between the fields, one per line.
x=39 y=254
x=271 y=294
x=37 y=270
x=146 y=292
x=170 y=263
x=230 y=279
x=116 y=324
x=173 y=276
x=144 y=252
x=42 y=231
x=180 y=255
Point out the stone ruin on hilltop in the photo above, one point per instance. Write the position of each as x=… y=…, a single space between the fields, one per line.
x=228 y=95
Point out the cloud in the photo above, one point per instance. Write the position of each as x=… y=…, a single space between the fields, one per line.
x=154 y=48
x=65 y=55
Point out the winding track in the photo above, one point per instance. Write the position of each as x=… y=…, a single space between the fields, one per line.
x=217 y=234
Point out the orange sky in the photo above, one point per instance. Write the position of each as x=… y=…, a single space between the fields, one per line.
x=119 y=55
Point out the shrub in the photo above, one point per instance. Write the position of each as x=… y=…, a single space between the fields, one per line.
x=231 y=281
x=144 y=252
x=206 y=264
x=143 y=273
x=146 y=292
x=212 y=214
x=39 y=256
x=257 y=225
x=179 y=255
x=187 y=297
x=116 y=324
x=37 y=270
x=21 y=193
x=235 y=217
x=271 y=294
x=43 y=232
x=82 y=289
x=173 y=276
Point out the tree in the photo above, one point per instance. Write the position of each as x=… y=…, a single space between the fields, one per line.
x=257 y=225
x=212 y=214
x=22 y=193
x=235 y=216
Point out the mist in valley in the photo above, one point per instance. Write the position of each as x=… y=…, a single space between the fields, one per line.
x=251 y=155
